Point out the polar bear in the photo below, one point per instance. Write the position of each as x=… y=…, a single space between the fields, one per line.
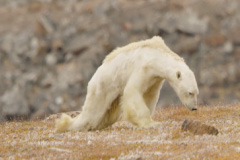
x=128 y=83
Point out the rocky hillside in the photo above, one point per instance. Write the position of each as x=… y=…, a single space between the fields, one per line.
x=50 y=49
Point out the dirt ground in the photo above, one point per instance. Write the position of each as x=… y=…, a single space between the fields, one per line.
x=38 y=140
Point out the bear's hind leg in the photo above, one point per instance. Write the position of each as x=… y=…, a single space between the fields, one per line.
x=112 y=114
x=94 y=110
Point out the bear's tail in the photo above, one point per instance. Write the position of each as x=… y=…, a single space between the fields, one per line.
x=63 y=124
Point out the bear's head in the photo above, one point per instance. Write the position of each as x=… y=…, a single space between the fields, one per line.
x=184 y=83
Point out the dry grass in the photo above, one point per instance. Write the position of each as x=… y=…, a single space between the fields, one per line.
x=37 y=139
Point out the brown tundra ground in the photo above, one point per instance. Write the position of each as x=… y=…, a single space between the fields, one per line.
x=38 y=140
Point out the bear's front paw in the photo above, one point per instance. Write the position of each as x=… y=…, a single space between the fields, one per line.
x=152 y=124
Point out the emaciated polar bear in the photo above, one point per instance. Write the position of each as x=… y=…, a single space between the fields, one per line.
x=128 y=83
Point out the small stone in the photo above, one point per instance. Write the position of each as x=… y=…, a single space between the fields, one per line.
x=169 y=23
x=48 y=80
x=30 y=77
x=58 y=136
x=51 y=59
x=198 y=128
x=57 y=44
x=215 y=40
x=189 y=45
x=234 y=35
x=34 y=6
x=40 y=114
x=7 y=44
x=77 y=45
x=228 y=47
x=139 y=158
x=59 y=100
x=44 y=25
x=69 y=57
x=89 y=143
x=127 y=26
x=42 y=47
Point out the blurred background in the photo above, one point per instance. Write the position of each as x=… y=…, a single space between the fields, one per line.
x=49 y=49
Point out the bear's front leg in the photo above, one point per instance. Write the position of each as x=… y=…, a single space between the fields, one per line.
x=134 y=106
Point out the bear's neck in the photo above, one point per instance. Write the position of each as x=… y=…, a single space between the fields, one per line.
x=166 y=66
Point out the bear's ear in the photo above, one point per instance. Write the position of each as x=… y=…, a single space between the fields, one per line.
x=178 y=74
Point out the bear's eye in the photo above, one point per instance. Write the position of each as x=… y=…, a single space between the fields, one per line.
x=178 y=75
x=191 y=93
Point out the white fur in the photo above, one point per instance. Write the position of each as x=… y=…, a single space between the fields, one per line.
x=63 y=123
x=129 y=82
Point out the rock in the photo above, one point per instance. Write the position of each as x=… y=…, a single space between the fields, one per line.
x=69 y=75
x=169 y=23
x=234 y=34
x=48 y=80
x=59 y=100
x=51 y=59
x=198 y=128
x=127 y=26
x=14 y=102
x=41 y=100
x=190 y=23
x=34 y=6
x=7 y=44
x=42 y=47
x=57 y=44
x=30 y=77
x=40 y=114
x=187 y=22
x=215 y=40
x=189 y=45
x=78 y=44
x=44 y=25
x=237 y=53
x=228 y=47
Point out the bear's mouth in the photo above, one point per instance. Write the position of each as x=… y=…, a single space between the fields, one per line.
x=193 y=109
